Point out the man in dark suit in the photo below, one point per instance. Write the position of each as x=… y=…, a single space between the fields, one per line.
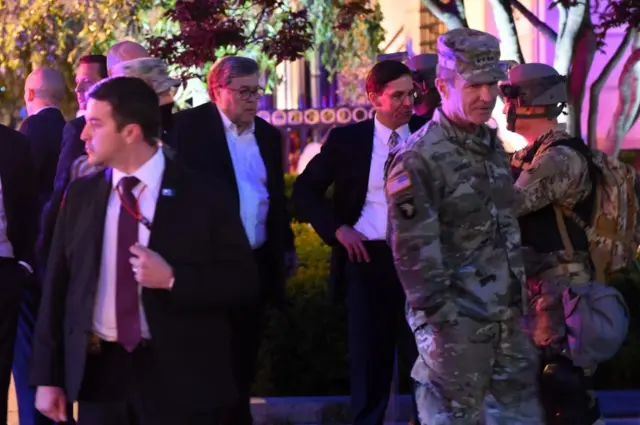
x=44 y=90
x=227 y=140
x=18 y=228
x=90 y=70
x=145 y=263
x=355 y=225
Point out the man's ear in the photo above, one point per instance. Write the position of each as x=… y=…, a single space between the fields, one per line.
x=443 y=87
x=131 y=132
x=374 y=99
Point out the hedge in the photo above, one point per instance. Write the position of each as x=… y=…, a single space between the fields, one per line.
x=305 y=353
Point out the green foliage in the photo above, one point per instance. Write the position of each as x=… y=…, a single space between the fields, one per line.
x=56 y=33
x=345 y=45
x=305 y=349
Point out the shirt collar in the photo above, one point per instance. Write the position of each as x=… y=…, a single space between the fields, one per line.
x=230 y=126
x=384 y=132
x=150 y=174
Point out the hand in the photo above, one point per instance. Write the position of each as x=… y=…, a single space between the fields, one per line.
x=52 y=402
x=290 y=263
x=352 y=241
x=150 y=269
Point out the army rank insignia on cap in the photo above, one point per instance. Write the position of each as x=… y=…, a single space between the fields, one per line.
x=398 y=183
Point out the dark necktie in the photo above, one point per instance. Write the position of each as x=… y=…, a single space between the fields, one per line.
x=127 y=298
x=393 y=140
x=392 y=144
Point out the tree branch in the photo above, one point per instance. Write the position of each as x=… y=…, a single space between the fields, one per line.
x=447 y=13
x=628 y=108
x=596 y=89
x=578 y=16
x=533 y=19
x=503 y=15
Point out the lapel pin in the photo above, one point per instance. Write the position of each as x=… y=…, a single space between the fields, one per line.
x=167 y=192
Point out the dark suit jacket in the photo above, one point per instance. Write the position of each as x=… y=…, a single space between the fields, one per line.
x=214 y=272
x=200 y=143
x=72 y=148
x=19 y=194
x=44 y=131
x=344 y=162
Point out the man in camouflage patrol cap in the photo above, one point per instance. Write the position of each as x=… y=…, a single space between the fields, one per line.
x=456 y=245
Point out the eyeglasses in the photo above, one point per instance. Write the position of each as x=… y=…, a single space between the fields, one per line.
x=247 y=93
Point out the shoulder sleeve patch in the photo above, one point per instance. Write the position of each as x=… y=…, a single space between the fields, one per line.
x=399 y=183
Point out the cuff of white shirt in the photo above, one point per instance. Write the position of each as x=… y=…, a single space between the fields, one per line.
x=26 y=266
x=171 y=282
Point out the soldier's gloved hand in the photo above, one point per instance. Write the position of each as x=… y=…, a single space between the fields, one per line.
x=352 y=241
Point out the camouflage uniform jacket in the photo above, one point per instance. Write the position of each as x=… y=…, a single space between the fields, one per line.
x=556 y=175
x=455 y=240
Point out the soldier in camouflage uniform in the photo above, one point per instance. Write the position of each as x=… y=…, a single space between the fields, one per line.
x=456 y=245
x=549 y=174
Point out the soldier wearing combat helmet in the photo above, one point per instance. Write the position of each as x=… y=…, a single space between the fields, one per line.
x=456 y=246
x=424 y=79
x=554 y=173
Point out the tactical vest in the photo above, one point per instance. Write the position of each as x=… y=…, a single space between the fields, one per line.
x=540 y=229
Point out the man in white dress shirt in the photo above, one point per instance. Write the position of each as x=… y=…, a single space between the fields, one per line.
x=226 y=139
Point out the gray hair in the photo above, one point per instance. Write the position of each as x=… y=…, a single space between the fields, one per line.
x=47 y=83
x=228 y=68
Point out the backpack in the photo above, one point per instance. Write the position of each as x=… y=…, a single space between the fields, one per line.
x=613 y=232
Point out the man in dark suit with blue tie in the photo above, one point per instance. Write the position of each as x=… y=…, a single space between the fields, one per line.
x=146 y=261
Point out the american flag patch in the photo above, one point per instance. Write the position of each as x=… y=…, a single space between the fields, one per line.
x=400 y=182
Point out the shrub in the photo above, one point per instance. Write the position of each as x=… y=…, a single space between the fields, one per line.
x=305 y=346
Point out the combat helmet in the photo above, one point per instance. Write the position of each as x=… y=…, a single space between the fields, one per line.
x=423 y=69
x=534 y=84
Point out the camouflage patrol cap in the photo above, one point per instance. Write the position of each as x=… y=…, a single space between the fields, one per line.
x=153 y=71
x=473 y=54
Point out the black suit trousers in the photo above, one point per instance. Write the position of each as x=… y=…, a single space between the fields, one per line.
x=112 y=391
x=376 y=305
x=12 y=280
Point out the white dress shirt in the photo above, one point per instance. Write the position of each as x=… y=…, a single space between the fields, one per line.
x=251 y=175
x=104 y=313
x=6 y=249
x=373 y=218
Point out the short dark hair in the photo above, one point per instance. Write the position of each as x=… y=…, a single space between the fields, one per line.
x=383 y=73
x=100 y=60
x=132 y=102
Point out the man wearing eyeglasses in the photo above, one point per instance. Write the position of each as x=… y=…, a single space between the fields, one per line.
x=226 y=139
x=355 y=224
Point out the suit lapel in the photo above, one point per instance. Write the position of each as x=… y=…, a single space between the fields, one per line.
x=98 y=214
x=166 y=207
x=362 y=156
x=220 y=148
